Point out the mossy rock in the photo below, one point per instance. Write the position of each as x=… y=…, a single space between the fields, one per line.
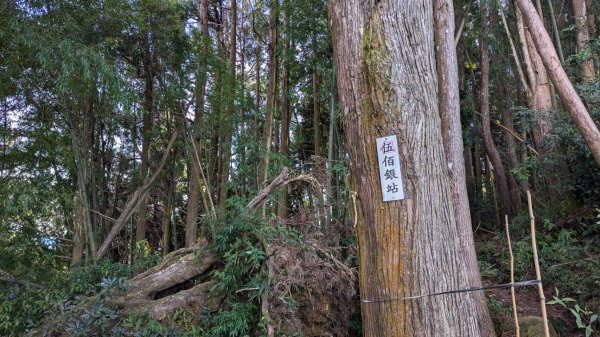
x=533 y=326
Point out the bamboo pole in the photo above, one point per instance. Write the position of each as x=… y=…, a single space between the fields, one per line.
x=537 y=266
x=512 y=279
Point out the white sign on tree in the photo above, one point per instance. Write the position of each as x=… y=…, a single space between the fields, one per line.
x=389 y=168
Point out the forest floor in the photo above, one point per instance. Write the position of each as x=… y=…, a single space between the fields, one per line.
x=528 y=304
x=527 y=297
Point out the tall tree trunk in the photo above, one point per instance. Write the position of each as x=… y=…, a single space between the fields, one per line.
x=478 y=169
x=194 y=177
x=582 y=39
x=229 y=115
x=147 y=121
x=449 y=108
x=255 y=125
x=271 y=92
x=317 y=133
x=387 y=83
x=329 y=198
x=283 y=202
x=81 y=168
x=510 y=145
x=488 y=142
x=78 y=231
x=585 y=124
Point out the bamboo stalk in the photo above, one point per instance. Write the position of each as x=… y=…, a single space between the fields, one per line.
x=512 y=279
x=538 y=274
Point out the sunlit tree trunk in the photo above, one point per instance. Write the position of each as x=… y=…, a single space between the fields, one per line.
x=387 y=83
x=540 y=99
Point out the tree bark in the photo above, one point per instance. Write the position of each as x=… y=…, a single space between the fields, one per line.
x=540 y=99
x=572 y=102
x=78 y=231
x=194 y=177
x=582 y=39
x=449 y=108
x=387 y=83
x=82 y=191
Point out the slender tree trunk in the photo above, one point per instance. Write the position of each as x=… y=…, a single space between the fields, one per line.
x=556 y=33
x=509 y=144
x=78 y=231
x=194 y=176
x=488 y=142
x=449 y=108
x=387 y=83
x=582 y=39
x=317 y=134
x=147 y=121
x=319 y=160
x=229 y=115
x=478 y=169
x=82 y=190
x=490 y=183
x=329 y=199
x=255 y=125
x=283 y=202
x=166 y=217
x=591 y=19
x=540 y=99
x=271 y=92
x=565 y=89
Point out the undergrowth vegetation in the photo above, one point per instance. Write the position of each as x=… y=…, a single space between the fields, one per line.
x=309 y=276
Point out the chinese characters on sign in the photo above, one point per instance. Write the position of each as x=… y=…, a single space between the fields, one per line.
x=389 y=168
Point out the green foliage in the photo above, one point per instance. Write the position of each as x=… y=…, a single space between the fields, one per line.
x=586 y=320
x=144 y=256
x=567 y=256
x=235 y=321
x=141 y=325
x=241 y=280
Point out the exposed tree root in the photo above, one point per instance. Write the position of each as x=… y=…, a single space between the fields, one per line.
x=177 y=282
